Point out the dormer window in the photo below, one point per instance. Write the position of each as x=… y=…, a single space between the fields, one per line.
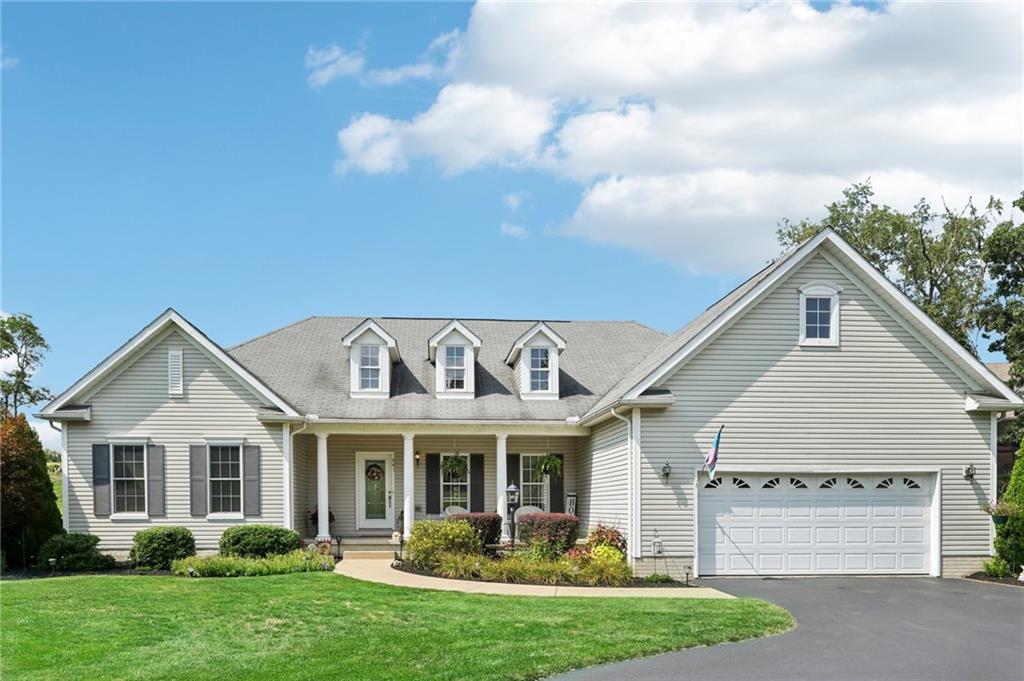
x=453 y=350
x=819 y=314
x=535 y=356
x=372 y=351
x=540 y=370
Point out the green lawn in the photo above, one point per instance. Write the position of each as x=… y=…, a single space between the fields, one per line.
x=58 y=488
x=320 y=625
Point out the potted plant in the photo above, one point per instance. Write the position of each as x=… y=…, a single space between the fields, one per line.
x=550 y=465
x=455 y=466
x=312 y=516
x=1000 y=510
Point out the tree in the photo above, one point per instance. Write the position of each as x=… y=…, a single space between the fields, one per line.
x=28 y=505
x=21 y=339
x=1009 y=542
x=936 y=259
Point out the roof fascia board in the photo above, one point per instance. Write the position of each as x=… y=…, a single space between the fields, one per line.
x=539 y=327
x=127 y=350
x=370 y=325
x=727 y=317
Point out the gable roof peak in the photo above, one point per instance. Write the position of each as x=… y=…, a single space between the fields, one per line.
x=372 y=326
x=452 y=326
x=538 y=328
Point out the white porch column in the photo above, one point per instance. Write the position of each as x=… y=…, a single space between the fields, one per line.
x=501 y=481
x=289 y=496
x=408 y=485
x=323 y=524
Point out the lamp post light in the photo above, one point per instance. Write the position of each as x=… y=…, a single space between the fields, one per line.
x=53 y=565
x=512 y=497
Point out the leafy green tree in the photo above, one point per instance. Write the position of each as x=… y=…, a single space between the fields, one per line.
x=28 y=506
x=935 y=258
x=1009 y=543
x=1002 y=314
x=20 y=338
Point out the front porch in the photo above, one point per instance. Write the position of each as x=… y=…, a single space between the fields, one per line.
x=360 y=488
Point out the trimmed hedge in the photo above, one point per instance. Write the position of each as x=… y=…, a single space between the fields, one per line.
x=258 y=541
x=487 y=525
x=557 y=530
x=238 y=566
x=432 y=538
x=157 y=547
x=74 y=553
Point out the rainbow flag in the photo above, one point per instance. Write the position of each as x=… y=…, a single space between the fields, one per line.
x=711 y=460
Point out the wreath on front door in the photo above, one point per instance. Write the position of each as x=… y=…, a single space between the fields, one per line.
x=374 y=472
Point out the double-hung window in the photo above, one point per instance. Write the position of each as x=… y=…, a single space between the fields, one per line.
x=454 y=486
x=455 y=367
x=369 y=367
x=129 y=478
x=540 y=370
x=225 y=479
x=532 y=482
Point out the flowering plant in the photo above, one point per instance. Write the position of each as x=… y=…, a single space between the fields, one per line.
x=1000 y=508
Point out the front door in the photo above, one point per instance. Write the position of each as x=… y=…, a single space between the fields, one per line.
x=375 y=493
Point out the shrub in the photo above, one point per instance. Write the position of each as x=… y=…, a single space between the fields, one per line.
x=238 y=566
x=656 y=578
x=511 y=569
x=28 y=506
x=606 y=567
x=602 y=535
x=539 y=551
x=487 y=525
x=1009 y=542
x=431 y=538
x=158 y=547
x=461 y=565
x=997 y=567
x=560 y=530
x=258 y=541
x=578 y=554
x=74 y=553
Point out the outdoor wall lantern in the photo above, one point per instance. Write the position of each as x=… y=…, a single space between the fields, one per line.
x=969 y=471
x=666 y=471
x=417 y=457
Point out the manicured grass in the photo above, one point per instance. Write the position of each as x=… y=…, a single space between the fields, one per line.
x=58 y=488
x=322 y=625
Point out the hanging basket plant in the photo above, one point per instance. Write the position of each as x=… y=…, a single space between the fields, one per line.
x=550 y=465
x=455 y=466
x=1000 y=511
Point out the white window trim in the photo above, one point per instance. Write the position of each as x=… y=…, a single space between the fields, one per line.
x=545 y=483
x=468 y=367
x=229 y=515
x=526 y=383
x=129 y=515
x=820 y=289
x=384 y=371
x=469 y=480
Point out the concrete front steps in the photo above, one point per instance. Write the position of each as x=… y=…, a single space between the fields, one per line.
x=367 y=548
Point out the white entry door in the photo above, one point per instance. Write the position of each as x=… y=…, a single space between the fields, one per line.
x=779 y=524
x=375 y=490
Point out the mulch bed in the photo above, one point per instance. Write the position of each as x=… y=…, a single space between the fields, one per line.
x=638 y=582
x=982 y=577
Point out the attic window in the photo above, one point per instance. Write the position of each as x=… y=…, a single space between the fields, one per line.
x=819 y=314
x=540 y=370
x=369 y=367
x=175 y=373
x=455 y=367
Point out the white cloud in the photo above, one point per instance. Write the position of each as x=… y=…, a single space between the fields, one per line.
x=467 y=127
x=513 y=200
x=692 y=128
x=514 y=230
x=330 y=63
x=432 y=64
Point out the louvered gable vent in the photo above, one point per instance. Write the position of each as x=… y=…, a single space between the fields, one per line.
x=175 y=374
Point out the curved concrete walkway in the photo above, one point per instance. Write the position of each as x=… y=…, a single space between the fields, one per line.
x=376 y=570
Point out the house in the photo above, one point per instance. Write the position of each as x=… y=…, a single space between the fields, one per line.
x=858 y=437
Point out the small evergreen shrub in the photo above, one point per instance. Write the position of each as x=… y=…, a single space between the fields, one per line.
x=606 y=567
x=487 y=525
x=559 y=530
x=238 y=566
x=74 y=553
x=997 y=567
x=461 y=565
x=602 y=535
x=258 y=541
x=1009 y=542
x=432 y=538
x=157 y=547
x=656 y=578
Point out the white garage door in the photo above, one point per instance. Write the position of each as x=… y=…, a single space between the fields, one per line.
x=781 y=524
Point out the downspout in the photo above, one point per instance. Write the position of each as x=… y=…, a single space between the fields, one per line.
x=629 y=468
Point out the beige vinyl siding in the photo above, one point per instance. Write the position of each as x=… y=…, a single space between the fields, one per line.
x=341 y=459
x=303 y=480
x=602 y=477
x=880 y=399
x=135 y=403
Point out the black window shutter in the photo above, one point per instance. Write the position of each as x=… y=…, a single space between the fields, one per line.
x=100 y=480
x=155 y=483
x=433 y=484
x=476 y=483
x=197 y=479
x=512 y=470
x=251 y=475
x=557 y=489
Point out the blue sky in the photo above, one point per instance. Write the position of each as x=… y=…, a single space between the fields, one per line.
x=251 y=165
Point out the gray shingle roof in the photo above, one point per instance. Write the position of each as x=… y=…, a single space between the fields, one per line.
x=306 y=365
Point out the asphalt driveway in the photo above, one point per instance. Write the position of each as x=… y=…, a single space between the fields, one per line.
x=859 y=628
